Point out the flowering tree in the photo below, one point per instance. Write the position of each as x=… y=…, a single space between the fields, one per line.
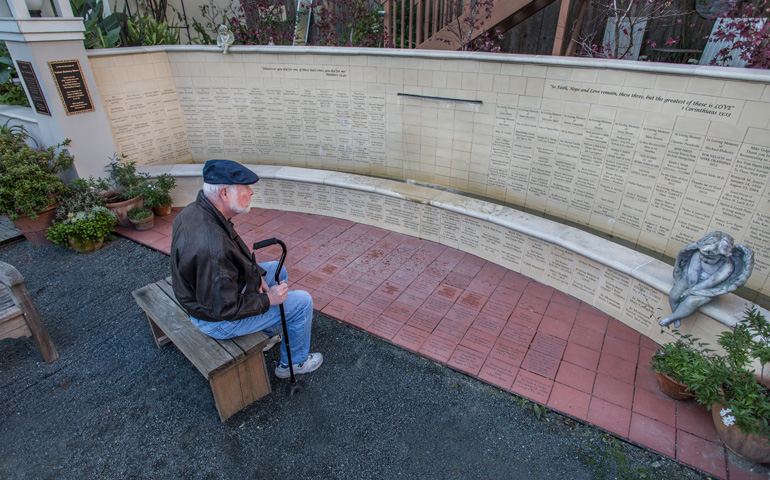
x=627 y=21
x=748 y=33
x=352 y=23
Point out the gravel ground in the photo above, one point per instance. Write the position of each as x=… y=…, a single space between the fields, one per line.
x=114 y=406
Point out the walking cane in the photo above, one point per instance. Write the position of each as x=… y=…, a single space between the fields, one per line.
x=295 y=386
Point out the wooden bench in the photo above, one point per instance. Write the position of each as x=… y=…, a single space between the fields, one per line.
x=18 y=314
x=234 y=368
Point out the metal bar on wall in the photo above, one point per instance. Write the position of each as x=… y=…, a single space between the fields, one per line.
x=431 y=97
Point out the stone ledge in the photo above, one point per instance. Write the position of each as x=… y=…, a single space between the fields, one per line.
x=18 y=112
x=706 y=71
x=726 y=310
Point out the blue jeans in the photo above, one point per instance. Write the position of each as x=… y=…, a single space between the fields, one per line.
x=298 y=308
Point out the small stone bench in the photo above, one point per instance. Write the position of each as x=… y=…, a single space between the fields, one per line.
x=18 y=314
x=234 y=368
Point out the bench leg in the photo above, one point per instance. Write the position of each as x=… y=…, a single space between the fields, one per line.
x=237 y=387
x=157 y=334
x=36 y=326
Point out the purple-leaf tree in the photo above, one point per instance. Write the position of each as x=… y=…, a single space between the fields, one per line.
x=260 y=22
x=745 y=26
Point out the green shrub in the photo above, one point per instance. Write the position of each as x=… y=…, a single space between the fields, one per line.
x=82 y=195
x=731 y=380
x=29 y=176
x=100 y=31
x=126 y=182
x=681 y=360
x=11 y=91
x=145 y=30
x=157 y=192
x=92 y=224
x=727 y=379
x=139 y=213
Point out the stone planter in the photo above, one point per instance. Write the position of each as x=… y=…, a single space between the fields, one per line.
x=748 y=446
x=672 y=388
x=34 y=229
x=121 y=209
x=161 y=210
x=144 y=223
x=85 y=245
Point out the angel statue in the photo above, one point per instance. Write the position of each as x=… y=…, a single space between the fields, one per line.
x=225 y=38
x=710 y=267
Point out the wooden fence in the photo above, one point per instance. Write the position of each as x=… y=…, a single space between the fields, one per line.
x=531 y=27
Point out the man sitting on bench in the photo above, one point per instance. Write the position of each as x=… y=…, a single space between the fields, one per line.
x=214 y=279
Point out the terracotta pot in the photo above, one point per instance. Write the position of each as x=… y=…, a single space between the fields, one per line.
x=143 y=224
x=161 y=210
x=121 y=209
x=748 y=446
x=34 y=229
x=85 y=245
x=672 y=388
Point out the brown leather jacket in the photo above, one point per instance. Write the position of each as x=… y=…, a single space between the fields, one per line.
x=211 y=268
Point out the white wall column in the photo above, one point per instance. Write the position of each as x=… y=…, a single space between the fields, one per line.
x=70 y=108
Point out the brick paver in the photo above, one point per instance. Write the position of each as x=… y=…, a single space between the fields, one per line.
x=490 y=323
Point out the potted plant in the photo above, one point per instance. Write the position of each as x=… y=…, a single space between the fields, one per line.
x=141 y=218
x=737 y=395
x=81 y=195
x=81 y=219
x=679 y=363
x=157 y=194
x=84 y=231
x=123 y=188
x=29 y=181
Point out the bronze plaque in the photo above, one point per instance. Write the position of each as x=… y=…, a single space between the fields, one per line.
x=72 y=87
x=33 y=87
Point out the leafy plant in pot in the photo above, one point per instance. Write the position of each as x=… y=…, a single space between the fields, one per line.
x=736 y=394
x=678 y=363
x=84 y=231
x=141 y=218
x=29 y=181
x=157 y=194
x=123 y=188
x=81 y=220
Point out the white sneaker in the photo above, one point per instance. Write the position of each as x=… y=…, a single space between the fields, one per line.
x=275 y=339
x=314 y=360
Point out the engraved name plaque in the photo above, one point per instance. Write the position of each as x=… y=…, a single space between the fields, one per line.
x=72 y=87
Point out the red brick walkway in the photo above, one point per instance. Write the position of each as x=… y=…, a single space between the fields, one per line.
x=488 y=322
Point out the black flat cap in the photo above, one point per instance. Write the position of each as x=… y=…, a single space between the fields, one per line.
x=228 y=172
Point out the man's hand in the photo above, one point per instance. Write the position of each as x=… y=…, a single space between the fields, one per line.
x=262 y=286
x=277 y=293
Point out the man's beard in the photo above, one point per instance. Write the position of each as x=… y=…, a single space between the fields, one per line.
x=233 y=204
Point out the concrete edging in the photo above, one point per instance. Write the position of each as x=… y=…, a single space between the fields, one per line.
x=655 y=274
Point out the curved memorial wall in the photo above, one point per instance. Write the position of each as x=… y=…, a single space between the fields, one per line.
x=651 y=155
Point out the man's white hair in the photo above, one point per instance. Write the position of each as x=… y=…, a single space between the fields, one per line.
x=212 y=193
x=211 y=190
